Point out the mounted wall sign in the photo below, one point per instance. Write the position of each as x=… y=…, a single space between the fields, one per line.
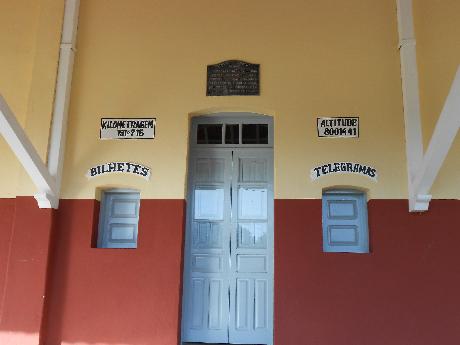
x=233 y=78
x=119 y=167
x=127 y=128
x=344 y=168
x=338 y=127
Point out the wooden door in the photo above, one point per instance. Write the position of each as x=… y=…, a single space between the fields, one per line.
x=205 y=310
x=228 y=270
x=251 y=255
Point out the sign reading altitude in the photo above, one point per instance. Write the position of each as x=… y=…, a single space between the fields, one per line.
x=344 y=168
x=338 y=127
x=119 y=167
x=117 y=128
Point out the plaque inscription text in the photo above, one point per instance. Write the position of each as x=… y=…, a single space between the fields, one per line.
x=233 y=78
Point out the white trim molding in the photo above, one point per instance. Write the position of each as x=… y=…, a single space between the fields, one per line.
x=422 y=169
x=20 y=144
x=57 y=139
x=441 y=141
x=410 y=90
x=47 y=179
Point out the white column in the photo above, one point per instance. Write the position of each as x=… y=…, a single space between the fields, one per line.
x=411 y=101
x=63 y=86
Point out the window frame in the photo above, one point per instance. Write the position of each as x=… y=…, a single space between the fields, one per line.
x=231 y=119
x=362 y=247
x=103 y=215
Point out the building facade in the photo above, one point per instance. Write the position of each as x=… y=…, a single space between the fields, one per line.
x=149 y=59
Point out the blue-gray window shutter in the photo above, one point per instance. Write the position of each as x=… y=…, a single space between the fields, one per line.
x=345 y=226
x=119 y=217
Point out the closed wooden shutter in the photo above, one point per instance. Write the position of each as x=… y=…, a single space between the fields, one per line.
x=119 y=219
x=345 y=226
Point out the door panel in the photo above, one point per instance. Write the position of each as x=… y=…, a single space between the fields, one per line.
x=251 y=263
x=198 y=302
x=243 y=305
x=251 y=257
x=215 y=303
x=207 y=235
x=261 y=302
x=228 y=271
x=252 y=235
x=209 y=203
x=252 y=203
x=206 y=269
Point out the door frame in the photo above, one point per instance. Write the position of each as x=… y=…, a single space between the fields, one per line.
x=227 y=118
x=230 y=118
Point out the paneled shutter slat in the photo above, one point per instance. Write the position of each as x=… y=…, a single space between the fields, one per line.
x=345 y=222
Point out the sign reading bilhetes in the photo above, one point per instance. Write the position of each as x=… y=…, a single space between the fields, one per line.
x=343 y=168
x=119 y=167
x=338 y=127
x=127 y=128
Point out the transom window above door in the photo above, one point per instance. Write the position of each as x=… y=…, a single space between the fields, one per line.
x=220 y=131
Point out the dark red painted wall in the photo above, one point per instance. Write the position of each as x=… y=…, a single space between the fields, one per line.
x=7 y=207
x=407 y=291
x=25 y=232
x=116 y=296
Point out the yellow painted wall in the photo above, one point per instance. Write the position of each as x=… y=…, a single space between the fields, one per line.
x=18 y=21
x=438 y=52
x=29 y=38
x=318 y=58
x=144 y=58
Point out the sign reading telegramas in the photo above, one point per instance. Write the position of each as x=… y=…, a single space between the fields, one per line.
x=338 y=127
x=119 y=167
x=127 y=128
x=343 y=168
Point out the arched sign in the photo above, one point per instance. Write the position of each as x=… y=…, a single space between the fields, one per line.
x=119 y=168
x=343 y=168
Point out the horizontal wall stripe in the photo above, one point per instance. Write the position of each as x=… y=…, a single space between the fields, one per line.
x=396 y=294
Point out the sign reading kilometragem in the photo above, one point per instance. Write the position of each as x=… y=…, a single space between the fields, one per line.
x=140 y=128
x=119 y=167
x=343 y=168
x=338 y=127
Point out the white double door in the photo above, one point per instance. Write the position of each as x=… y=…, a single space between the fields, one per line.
x=228 y=269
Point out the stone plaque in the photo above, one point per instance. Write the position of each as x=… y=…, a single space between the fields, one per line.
x=233 y=78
